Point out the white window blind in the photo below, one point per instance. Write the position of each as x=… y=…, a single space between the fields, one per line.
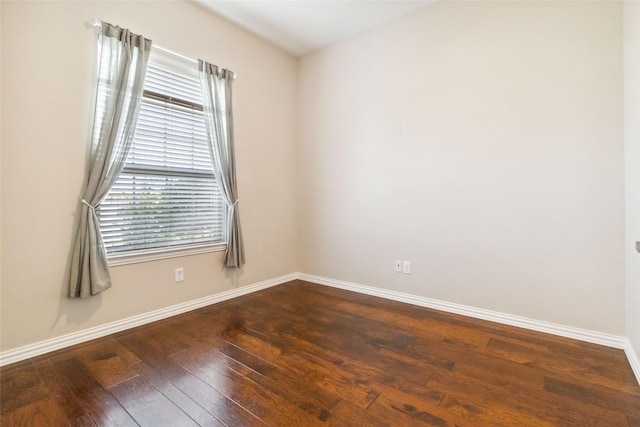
x=167 y=195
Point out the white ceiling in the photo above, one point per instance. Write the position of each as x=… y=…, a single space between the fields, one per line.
x=302 y=26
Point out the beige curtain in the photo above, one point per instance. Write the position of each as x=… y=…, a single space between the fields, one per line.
x=122 y=63
x=216 y=91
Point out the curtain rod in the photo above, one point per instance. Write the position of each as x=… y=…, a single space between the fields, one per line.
x=186 y=58
x=96 y=23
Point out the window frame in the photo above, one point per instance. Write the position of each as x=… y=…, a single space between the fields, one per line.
x=173 y=62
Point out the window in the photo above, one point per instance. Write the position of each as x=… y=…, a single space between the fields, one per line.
x=166 y=196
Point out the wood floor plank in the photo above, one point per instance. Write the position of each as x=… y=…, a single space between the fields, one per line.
x=43 y=413
x=402 y=409
x=587 y=365
x=354 y=343
x=148 y=406
x=271 y=377
x=101 y=406
x=63 y=394
x=633 y=421
x=181 y=400
x=106 y=366
x=36 y=381
x=596 y=395
x=486 y=403
x=229 y=383
x=199 y=391
x=308 y=399
x=166 y=337
x=252 y=362
x=369 y=367
x=22 y=386
x=345 y=414
x=329 y=380
x=572 y=366
x=266 y=405
x=301 y=354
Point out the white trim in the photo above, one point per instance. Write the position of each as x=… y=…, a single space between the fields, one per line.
x=634 y=360
x=478 y=313
x=594 y=337
x=42 y=347
x=164 y=253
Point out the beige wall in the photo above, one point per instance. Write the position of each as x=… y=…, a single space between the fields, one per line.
x=47 y=60
x=632 y=166
x=482 y=141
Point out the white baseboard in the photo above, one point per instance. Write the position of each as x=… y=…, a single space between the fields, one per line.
x=492 y=316
x=46 y=346
x=42 y=347
x=634 y=360
x=478 y=313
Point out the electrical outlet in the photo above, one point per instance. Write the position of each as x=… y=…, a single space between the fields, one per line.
x=398 y=266
x=179 y=274
x=406 y=267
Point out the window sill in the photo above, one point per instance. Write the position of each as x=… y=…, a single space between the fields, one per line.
x=164 y=253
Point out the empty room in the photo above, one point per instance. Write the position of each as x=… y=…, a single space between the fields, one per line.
x=300 y=213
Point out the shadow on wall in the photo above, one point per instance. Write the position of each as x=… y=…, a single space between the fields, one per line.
x=233 y=275
x=76 y=311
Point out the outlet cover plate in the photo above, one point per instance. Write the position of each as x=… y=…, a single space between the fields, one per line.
x=179 y=274
x=406 y=267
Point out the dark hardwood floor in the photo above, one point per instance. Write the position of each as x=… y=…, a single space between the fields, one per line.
x=301 y=354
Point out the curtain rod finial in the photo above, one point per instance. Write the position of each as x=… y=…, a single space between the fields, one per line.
x=93 y=23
